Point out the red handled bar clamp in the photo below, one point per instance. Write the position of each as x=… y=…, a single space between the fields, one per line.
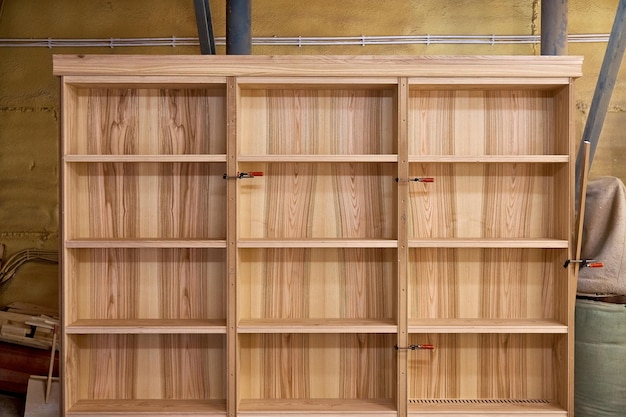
x=589 y=263
x=416 y=179
x=241 y=175
x=415 y=347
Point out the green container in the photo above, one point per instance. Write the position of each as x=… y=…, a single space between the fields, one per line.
x=600 y=371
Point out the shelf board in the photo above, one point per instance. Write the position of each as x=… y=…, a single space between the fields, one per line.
x=316 y=326
x=318 y=158
x=317 y=243
x=145 y=158
x=146 y=326
x=148 y=406
x=326 y=406
x=508 y=159
x=522 y=243
x=143 y=243
x=490 y=407
x=486 y=326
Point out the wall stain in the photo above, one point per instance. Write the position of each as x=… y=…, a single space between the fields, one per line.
x=19 y=109
x=534 y=30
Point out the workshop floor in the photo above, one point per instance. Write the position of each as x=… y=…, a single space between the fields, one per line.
x=11 y=405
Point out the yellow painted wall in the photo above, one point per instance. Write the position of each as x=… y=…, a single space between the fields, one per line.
x=29 y=105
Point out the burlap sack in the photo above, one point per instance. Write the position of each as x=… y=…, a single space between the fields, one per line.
x=604 y=237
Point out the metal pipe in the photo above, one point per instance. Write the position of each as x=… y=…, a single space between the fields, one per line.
x=205 y=27
x=238 y=27
x=554 y=27
x=604 y=89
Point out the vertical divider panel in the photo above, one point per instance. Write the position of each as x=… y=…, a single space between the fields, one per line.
x=232 y=343
x=68 y=351
x=565 y=128
x=403 y=195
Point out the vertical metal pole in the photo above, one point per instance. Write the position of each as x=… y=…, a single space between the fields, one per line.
x=554 y=27
x=205 y=27
x=604 y=89
x=238 y=27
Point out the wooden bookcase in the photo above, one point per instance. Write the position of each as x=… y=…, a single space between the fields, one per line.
x=262 y=236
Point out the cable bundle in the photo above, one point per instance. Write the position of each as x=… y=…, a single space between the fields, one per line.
x=10 y=267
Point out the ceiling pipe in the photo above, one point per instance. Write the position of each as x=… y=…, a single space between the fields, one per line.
x=238 y=27
x=604 y=89
x=554 y=27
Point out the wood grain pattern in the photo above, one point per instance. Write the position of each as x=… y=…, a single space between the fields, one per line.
x=317 y=283
x=300 y=366
x=317 y=122
x=145 y=200
x=483 y=122
x=529 y=70
x=148 y=121
x=192 y=121
x=131 y=367
x=495 y=366
x=113 y=118
x=514 y=201
x=150 y=284
x=485 y=283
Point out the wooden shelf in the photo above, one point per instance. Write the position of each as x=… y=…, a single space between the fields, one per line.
x=316 y=326
x=319 y=158
x=490 y=407
x=143 y=243
x=490 y=159
x=486 y=326
x=286 y=294
x=111 y=407
x=317 y=243
x=314 y=406
x=146 y=326
x=182 y=158
x=526 y=243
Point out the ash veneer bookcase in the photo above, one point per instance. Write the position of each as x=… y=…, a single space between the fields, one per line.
x=191 y=289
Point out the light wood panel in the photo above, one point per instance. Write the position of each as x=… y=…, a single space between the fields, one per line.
x=124 y=200
x=485 y=201
x=134 y=367
x=149 y=284
x=317 y=366
x=144 y=121
x=513 y=69
x=485 y=283
x=317 y=122
x=343 y=283
x=484 y=366
x=351 y=201
x=483 y=122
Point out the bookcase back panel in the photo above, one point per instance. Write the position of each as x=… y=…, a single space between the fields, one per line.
x=140 y=121
x=486 y=201
x=309 y=366
x=300 y=283
x=316 y=122
x=150 y=366
x=490 y=366
x=149 y=283
x=483 y=122
x=147 y=200
x=318 y=200
x=486 y=283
